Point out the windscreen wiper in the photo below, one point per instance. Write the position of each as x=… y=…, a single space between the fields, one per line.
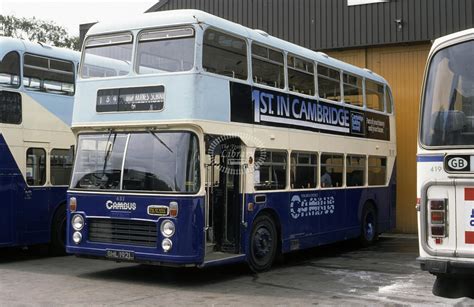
x=160 y=140
x=108 y=150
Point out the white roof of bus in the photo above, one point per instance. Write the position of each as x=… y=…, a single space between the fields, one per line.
x=452 y=39
x=8 y=44
x=182 y=17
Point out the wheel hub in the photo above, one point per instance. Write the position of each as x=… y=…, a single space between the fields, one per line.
x=262 y=242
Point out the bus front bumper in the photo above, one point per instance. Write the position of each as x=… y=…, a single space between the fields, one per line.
x=446 y=266
x=139 y=257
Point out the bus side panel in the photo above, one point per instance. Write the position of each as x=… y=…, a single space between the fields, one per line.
x=36 y=215
x=40 y=205
x=307 y=218
x=317 y=217
x=9 y=192
x=393 y=197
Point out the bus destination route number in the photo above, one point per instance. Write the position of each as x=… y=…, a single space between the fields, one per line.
x=131 y=99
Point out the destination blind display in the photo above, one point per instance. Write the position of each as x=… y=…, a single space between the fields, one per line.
x=131 y=99
x=259 y=106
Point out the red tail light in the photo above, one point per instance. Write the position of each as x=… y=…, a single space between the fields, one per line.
x=437 y=217
x=437 y=213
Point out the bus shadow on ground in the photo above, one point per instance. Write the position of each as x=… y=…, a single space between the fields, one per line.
x=190 y=277
x=18 y=254
x=454 y=287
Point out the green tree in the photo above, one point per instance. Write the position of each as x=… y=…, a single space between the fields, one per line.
x=38 y=31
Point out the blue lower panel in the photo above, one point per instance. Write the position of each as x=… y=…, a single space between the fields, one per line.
x=188 y=240
x=316 y=217
x=26 y=213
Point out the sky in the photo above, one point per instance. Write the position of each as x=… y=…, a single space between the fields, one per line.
x=71 y=13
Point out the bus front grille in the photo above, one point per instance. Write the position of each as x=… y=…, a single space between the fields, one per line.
x=129 y=232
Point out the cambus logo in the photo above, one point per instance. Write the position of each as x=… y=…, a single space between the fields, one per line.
x=120 y=205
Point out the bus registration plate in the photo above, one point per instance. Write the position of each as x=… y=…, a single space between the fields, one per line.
x=120 y=255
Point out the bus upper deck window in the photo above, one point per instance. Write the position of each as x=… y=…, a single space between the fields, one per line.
x=329 y=83
x=353 y=93
x=10 y=70
x=224 y=54
x=48 y=75
x=162 y=51
x=267 y=66
x=374 y=95
x=300 y=75
x=107 y=56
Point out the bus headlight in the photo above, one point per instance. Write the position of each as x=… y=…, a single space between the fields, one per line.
x=77 y=237
x=77 y=222
x=167 y=228
x=166 y=244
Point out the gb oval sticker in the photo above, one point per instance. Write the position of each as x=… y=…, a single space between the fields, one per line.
x=457 y=163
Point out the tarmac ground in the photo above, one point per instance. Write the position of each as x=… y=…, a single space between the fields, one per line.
x=339 y=274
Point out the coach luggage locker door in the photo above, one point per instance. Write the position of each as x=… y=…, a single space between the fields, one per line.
x=464 y=218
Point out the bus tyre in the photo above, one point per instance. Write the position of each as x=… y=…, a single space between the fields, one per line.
x=263 y=243
x=58 y=232
x=368 y=225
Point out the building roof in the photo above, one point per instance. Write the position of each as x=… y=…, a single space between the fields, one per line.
x=332 y=24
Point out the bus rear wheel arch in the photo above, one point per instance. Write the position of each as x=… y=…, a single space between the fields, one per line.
x=263 y=243
x=368 y=225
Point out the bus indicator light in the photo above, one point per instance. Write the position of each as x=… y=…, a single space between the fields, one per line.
x=72 y=204
x=173 y=209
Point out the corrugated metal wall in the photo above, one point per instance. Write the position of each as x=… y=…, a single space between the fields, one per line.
x=331 y=24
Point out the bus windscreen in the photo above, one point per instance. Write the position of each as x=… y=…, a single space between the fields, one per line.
x=448 y=108
x=141 y=161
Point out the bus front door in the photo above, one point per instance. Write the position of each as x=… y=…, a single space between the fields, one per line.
x=224 y=197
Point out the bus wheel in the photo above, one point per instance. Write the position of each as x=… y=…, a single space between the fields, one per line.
x=369 y=225
x=58 y=232
x=263 y=243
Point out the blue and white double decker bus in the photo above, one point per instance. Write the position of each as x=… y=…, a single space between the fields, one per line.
x=37 y=85
x=201 y=142
x=445 y=161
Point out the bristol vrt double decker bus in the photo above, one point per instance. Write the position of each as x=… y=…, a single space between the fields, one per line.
x=446 y=157
x=37 y=85
x=205 y=142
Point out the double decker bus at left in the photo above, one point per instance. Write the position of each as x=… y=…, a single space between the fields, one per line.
x=37 y=86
